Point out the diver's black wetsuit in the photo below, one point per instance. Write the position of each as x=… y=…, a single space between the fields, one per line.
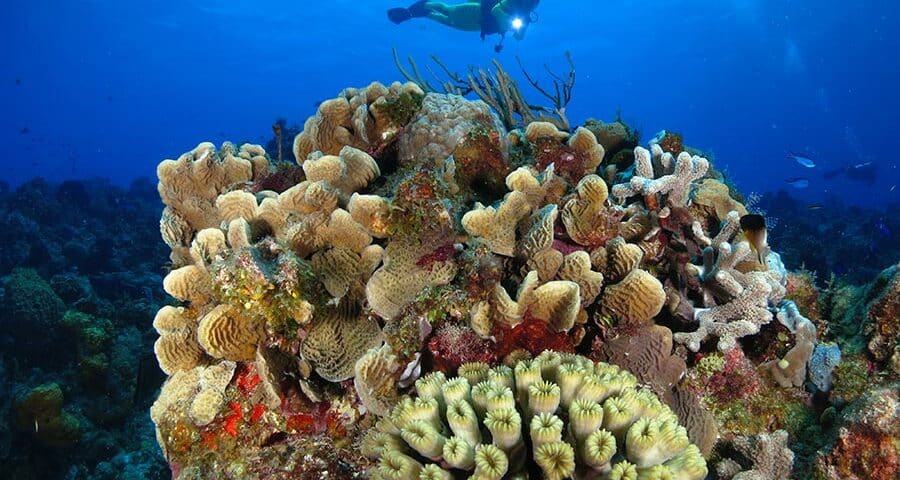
x=489 y=25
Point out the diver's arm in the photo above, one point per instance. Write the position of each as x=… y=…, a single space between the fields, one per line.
x=507 y=11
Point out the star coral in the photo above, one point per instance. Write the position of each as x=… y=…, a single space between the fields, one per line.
x=573 y=418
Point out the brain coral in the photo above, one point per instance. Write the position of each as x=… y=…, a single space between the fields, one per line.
x=562 y=415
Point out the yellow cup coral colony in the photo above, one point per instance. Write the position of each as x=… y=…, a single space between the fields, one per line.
x=309 y=311
x=558 y=415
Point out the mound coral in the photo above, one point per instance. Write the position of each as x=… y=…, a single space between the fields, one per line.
x=561 y=415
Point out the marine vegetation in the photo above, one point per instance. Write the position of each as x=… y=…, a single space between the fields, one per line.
x=560 y=314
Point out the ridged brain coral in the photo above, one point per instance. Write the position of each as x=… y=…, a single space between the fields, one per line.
x=558 y=415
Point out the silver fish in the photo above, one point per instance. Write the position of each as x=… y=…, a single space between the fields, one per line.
x=802 y=160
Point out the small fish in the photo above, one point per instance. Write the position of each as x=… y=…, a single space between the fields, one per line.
x=815 y=206
x=883 y=229
x=24 y=131
x=801 y=159
x=754 y=227
x=892 y=188
x=798 y=182
x=861 y=165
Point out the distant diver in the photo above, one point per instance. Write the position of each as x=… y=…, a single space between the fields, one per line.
x=488 y=16
x=865 y=172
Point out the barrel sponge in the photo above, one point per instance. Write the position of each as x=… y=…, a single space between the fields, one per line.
x=225 y=332
x=497 y=226
x=558 y=413
x=375 y=380
x=189 y=284
x=637 y=298
x=177 y=347
x=585 y=216
x=338 y=338
x=622 y=258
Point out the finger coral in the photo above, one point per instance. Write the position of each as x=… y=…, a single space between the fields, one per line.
x=573 y=419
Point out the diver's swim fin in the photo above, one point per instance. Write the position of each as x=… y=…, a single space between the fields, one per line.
x=400 y=15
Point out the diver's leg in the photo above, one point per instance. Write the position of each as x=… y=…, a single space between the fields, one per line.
x=461 y=16
x=400 y=15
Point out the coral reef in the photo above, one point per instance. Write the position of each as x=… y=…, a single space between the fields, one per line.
x=425 y=236
x=79 y=282
x=866 y=444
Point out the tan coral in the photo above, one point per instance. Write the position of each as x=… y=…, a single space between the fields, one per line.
x=328 y=131
x=176 y=348
x=497 y=226
x=539 y=187
x=538 y=130
x=585 y=141
x=557 y=303
x=207 y=246
x=713 y=196
x=196 y=395
x=547 y=263
x=211 y=397
x=622 y=259
x=339 y=337
x=190 y=185
x=372 y=212
x=576 y=267
x=538 y=235
x=397 y=282
x=375 y=380
x=637 y=298
x=586 y=218
x=351 y=119
x=236 y=204
x=338 y=269
x=349 y=171
x=225 y=332
x=189 y=284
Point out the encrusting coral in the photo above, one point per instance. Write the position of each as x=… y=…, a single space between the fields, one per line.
x=419 y=239
x=562 y=415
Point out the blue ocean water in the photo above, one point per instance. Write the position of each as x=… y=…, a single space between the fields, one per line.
x=103 y=88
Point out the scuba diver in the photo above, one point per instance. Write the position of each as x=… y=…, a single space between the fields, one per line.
x=487 y=16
